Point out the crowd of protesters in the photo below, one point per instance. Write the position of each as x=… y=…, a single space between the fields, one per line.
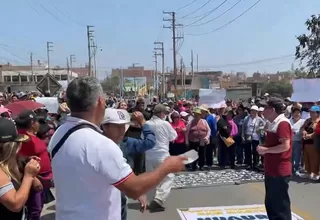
x=37 y=149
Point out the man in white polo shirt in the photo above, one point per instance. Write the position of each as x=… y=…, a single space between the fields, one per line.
x=89 y=169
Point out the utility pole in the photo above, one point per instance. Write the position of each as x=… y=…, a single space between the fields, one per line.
x=94 y=45
x=31 y=65
x=68 y=69
x=173 y=27
x=197 y=63
x=49 y=49
x=155 y=74
x=160 y=46
x=72 y=59
x=192 y=72
x=182 y=74
x=89 y=36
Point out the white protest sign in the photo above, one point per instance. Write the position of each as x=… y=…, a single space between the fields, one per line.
x=212 y=97
x=306 y=90
x=51 y=103
x=227 y=213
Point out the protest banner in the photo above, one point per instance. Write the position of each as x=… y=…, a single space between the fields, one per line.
x=51 y=103
x=244 y=212
x=306 y=90
x=211 y=97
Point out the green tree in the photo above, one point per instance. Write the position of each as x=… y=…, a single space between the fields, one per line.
x=282 y=88
x=308 y=49
x=111 y=84
x=300 y=74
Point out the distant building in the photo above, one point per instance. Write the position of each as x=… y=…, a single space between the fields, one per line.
x=25 y=78
x=79 y=71
x=134 y=72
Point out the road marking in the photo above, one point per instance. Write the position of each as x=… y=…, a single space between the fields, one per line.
x=260 y=189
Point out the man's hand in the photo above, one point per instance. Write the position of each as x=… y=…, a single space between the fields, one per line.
x=143 y=202
x=308 y=137
x=174 y=164
x=304 y=134
x=262 y=150
x=138 y=116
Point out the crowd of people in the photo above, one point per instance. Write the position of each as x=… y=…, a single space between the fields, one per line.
x=96 y=152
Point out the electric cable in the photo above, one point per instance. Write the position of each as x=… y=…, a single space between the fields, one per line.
x=206 y=3
x=187 y=5
x=215 y=18
x=207 y=14
x=228 y=23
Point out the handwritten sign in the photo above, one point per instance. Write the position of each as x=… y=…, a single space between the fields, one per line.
x=227 y=213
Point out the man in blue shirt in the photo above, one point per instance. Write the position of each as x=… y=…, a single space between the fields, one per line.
x=114 y=126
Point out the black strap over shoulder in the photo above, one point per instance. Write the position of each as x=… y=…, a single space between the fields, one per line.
x=65 y=137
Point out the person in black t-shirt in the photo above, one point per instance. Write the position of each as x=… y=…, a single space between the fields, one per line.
x=224 y=130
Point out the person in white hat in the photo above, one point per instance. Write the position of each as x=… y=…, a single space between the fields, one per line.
x=114 y=125
x=251 y=136
x=260 y=112
x=154 y=157
x=89 y=168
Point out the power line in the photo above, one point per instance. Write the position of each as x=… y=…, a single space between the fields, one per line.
x=213 y=19
x=197 y=9
x=160 y=33
x=230 y=22
x=255 y=61
x=187 y=5
x=36 y=10
x=50 y=13
x=68 y=17
x=15 y=55
x=207 y=14
x=180 y=37
x=19 y=49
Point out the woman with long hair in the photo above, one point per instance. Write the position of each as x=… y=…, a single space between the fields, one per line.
x=28 y=124
x=14 y=186
x=310 y=152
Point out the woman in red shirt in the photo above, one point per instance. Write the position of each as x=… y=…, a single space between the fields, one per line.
x=27 y=124
x=178 y=146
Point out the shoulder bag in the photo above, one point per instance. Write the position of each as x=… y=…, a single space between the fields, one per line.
x=65 y=137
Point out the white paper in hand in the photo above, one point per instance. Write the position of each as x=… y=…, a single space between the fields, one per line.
x=192 y=156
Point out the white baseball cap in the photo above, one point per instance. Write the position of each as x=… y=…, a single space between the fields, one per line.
x=116 y=116
x=255 y=108
x=184 y=114
x=261 y=109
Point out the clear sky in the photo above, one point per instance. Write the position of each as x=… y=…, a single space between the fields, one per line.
x=125 y=31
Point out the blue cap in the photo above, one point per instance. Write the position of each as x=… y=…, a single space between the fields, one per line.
x=315 y=108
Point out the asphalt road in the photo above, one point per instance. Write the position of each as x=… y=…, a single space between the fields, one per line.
x=305 y=198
